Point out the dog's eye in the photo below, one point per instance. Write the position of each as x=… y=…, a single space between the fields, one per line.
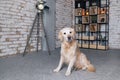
x=64 y=33
x=70 y=32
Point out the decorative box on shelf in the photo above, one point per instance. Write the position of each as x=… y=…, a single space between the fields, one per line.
x=93 y=10
x=94 y=27
x=102 y=18
x=103 y=10
x=85 y=19
x=102 y=47
x=79 y=12
x=93 y=46
x=87 y=37
x=79 y=27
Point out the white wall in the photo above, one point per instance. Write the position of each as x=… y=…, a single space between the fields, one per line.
x=114 y=28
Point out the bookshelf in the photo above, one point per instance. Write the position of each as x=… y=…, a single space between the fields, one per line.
x=92 y=23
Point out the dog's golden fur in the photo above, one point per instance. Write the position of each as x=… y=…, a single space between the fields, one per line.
x=70 y=53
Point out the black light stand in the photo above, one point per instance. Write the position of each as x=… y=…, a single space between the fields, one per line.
x=39 y=16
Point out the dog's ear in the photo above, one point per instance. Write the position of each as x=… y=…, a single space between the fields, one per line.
x=60 y=36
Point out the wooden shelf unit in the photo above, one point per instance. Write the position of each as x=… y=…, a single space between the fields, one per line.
x=93 y=46
x=87 y=37
x=92 y=23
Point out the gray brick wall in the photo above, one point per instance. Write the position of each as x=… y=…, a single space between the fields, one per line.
x=114 y=28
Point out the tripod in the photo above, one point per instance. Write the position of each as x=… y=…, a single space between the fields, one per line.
x=38 y=17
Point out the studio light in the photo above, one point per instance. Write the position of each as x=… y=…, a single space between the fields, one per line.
x=41 y=5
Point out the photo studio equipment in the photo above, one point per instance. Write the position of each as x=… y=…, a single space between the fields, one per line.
x=41 y=7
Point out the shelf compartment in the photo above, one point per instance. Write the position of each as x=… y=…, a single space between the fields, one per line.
x=79 y=12
x=104 y=3
x=79 y=4
x=102 y=47
x=79 y=27
x=102 y=10
x=85 y=19
x=87 y=37
x=78 y=20
x=93 y=10
x=102 y=18
x=94 y=3
x=93 y=46
x=94 y=27
x=83 y=45
x=93 y=19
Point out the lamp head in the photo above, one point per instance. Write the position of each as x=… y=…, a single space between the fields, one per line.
x=40 y=5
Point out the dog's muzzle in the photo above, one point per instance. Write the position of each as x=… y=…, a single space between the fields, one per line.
x=69 y=39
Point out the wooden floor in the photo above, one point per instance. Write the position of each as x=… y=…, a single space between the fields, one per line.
x=39 y=66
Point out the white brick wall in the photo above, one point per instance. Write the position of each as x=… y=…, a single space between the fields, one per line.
x=114 y=28
x=16 y=18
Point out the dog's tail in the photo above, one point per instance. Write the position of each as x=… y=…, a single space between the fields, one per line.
x=86 y=63
x=91 y=68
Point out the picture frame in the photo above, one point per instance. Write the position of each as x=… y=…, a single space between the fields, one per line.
x=94 y=27
x=93 y=10
x=85 y=19
x=79 y=28
x=102 y=18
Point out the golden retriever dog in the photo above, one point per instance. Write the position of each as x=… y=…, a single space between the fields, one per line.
x=70 y=53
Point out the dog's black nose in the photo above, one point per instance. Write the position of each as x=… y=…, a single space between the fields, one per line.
x=69 y=38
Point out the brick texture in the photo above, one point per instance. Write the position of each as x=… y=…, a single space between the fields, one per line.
x=64 y=16
x=114 y=28
x=16 y=18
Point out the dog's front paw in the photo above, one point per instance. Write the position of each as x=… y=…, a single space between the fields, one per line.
x=56 y=70
x=67 y=73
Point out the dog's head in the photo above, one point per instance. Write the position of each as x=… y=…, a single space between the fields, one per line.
x=66 y=34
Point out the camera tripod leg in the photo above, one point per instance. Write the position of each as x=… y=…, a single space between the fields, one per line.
x=30 y=35
x=38 y=29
